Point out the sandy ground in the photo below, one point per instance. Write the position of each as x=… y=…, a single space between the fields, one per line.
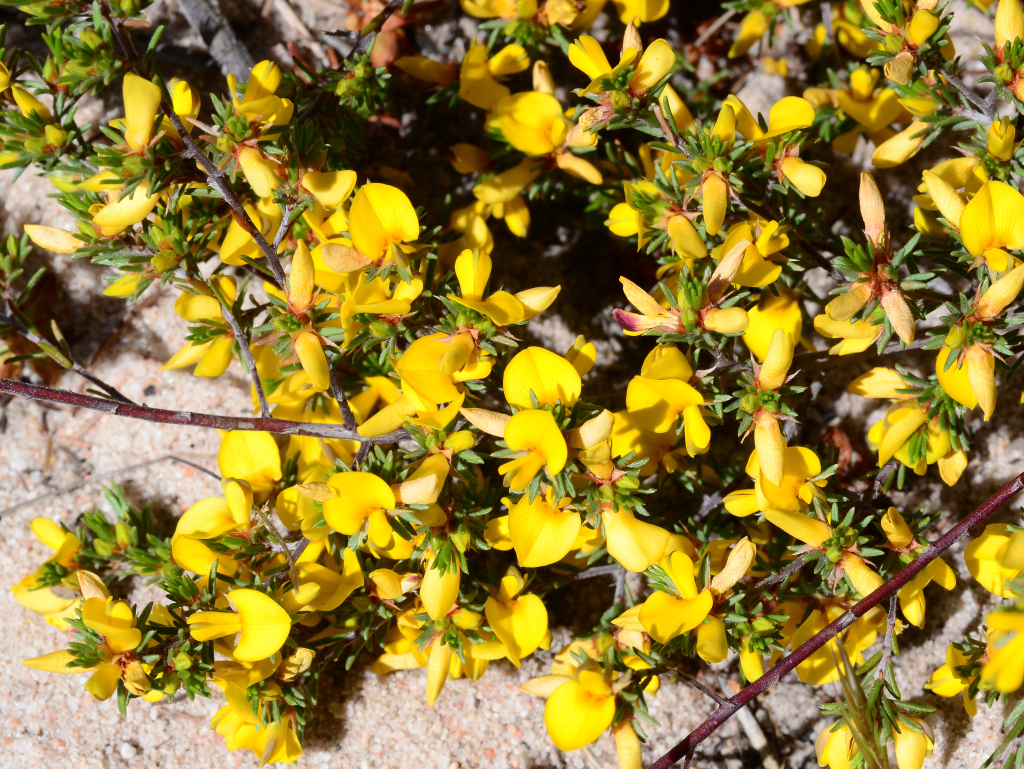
x=368 y=721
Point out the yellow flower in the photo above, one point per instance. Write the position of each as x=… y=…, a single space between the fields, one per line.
x=549 y=377
x=115 y=622
x=970 y=379
x=820 y=668
x=541 y=532
x=658 y=397
x=28 y=592
x=773 y=311
x=984 y=559
x=633 y=543
x=259 y=103
x=532 y=122
x=836 y=748
x=993 y=222
x=381 y=222
x=478 y=81
x=141 y=107
x=587 y=56
x=665 y=616
x=360 y=498
x=211 y=358
x=856 y=336
x=788 y=114
x=519 y=620
x=766 y=239
x=1009 y=23
x=640 y=11
x=912 y=594
x=901 y=147
x=947 y=681
x=752 y=27
x=536 y=433
x=794 y=493
x=260 y=621
x=581 y=708
x=251 y=456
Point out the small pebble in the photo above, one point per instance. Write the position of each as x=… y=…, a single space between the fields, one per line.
x=128 y=751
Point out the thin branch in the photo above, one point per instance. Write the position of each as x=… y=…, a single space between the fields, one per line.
x=987 y=109
x=250 y=361
x=890 y=628
x=190 y=418
x=215 y=178
x=685 y=748
x=786 y=572
x=285 y=225
x=205 y=17
x=277 y=539
x=42 y=344
x=598 y=571
x=348 y=419
x=715 y=26
x=214 y=175
x=105 y=477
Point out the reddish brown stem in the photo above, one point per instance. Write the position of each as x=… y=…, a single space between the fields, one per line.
x=189 y=418
x=771 y=677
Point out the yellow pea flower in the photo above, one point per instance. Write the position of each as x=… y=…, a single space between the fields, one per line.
x=657 y=448
x=438 y=591
x=633 y=543
x=970 y=379
x=536 y=433
x=947 y=681
x=504 y=9
x=587 y=56
x=259 y=103
x=660 y=394
x=836 y=748
x=984 y=559
x=761 y=258
x=580 y=709
x=665 y=616
x=794 y=493
x=251 y=456
x=773 y=311
x=532 y=122
x=360 y=498
x=856 y=337
x=261 y=622
x=382 y=221
x=211 y=358
x=790 y=113
x=752 y=27
x=478 y=79
x=913 y=747
x=640 y=11
x=115 y=622
x=1009 y=23
x=911 y=595
x=520 y=621
x=992 y=223
x=548 y=376
x=540 y=531
x=901 y=147
x=820 y=668
x=43 y=600
x=141 y=107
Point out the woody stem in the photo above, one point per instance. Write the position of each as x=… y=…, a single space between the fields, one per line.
x=686 y=747
x=214 y=175
x=189 y=418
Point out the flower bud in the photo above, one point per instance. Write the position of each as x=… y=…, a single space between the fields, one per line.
x=1009 y=24
x=770 y=447
x=1001 y=293
x=922 y=27
x=777 y=361
x=542 y=80
x=1000 y=139
x=627 y=744
x=732 y=320
x=438 y=664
